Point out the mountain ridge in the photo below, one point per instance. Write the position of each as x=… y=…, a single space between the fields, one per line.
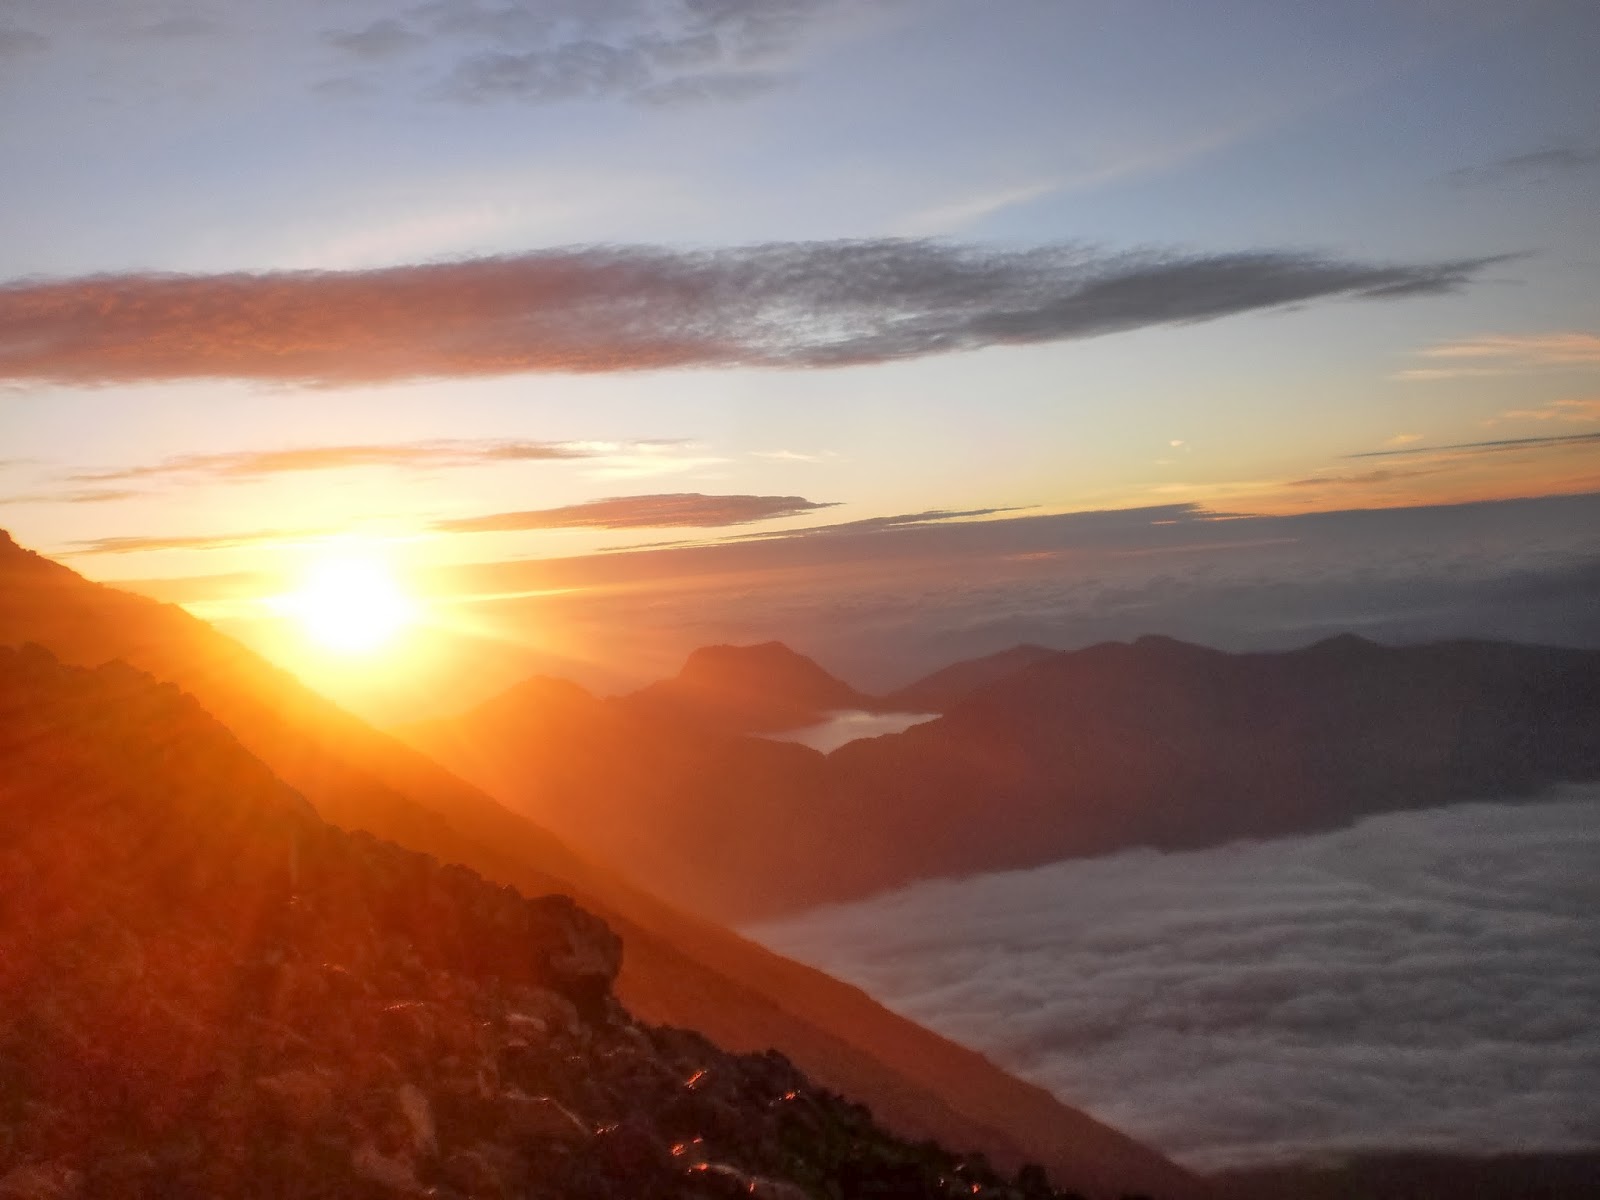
x=1156 y=743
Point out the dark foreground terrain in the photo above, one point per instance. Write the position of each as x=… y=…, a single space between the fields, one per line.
x=205 y=990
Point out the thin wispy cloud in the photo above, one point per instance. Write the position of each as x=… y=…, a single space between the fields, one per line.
x=1361 y=478
x=139 y=544
x=958 y=214
x=1576 y=411
x=256 y=464
x=82 y=496
x=1505 y=354
x=1534 y=166
x=556 y=51
x=1494 y=446
x=867 y=526
x=634 y=308
x=676 y=510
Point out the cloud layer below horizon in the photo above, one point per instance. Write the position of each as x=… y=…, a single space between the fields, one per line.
x=628 y=308
x=1418 y=981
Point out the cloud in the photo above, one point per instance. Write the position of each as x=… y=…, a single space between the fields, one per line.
x=1536 y=166
x=1507 y=353
x=1417 y=981
x=675 y=510
x=203 y=541
x=1496 y=446
x=871 y=525
x=84 y=496
x=1574 y=410
x=182 y=26
x=629 y=308
x=14 y=43
x=255 y=464
x=957 y=214
x=550 y=52
x=382 y=39
x=1361 y=479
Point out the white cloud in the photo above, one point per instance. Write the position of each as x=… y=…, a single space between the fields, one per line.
x=1421 y=980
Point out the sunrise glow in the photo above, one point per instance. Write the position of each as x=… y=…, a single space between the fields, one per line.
x=350 y=604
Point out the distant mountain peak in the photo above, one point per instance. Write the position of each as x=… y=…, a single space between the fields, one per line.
x=762 y=687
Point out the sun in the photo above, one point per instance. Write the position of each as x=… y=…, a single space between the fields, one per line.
x=351 y=604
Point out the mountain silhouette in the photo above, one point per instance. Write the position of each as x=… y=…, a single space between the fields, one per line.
x=677 y=970
x=1156 y=743
x=948 y=686
x=748 y=689
x=206 y=990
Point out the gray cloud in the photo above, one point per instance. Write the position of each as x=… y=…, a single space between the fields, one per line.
x=254 y=464
x=621 y=308
x=1536 y=166
x=669 y=511
x=382 y=39
x=548 y=52
x=1420 y=980
x=183 y=26
x=1495 y=446
x=14 y=43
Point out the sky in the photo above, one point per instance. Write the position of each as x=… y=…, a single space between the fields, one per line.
x=1418 y=981
x=504 y=289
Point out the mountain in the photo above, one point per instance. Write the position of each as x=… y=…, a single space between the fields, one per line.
x=677 y=970
x=747 y=689
x=1154 y=743
x=206 y=990
x=948 y=686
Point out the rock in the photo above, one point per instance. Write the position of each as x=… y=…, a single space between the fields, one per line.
x=630 y=1151
x=387 y=1171
x=580 y=951
x=541 y=1119
x=471 y=1173
x=723 y=1180
x=418 y=1114
x=41 y=1181
x=300 y=1098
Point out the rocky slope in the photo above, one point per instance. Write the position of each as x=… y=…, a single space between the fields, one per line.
x=206 y=990
x=677 y=970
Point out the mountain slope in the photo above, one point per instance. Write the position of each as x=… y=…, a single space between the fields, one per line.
x=206 y=990
x=948 y=686
x=1155 y=743
x=747 y=689
x=677 y=970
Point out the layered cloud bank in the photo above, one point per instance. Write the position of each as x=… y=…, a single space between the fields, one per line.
x=1421 y=980
x=627 y=308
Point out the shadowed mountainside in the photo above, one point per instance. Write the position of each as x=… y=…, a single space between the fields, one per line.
x=1155 y=743
x=206 y=990
x=677 y=969
x=949 y=686
x=747 y=689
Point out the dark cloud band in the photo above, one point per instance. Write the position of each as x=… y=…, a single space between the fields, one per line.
x=678 y=510
x=631 y=308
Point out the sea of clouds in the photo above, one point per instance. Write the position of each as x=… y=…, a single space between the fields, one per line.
x=1421 y=980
